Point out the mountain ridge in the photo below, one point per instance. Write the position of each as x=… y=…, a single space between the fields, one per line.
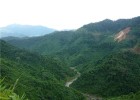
x=84 y=43
x=18 y=30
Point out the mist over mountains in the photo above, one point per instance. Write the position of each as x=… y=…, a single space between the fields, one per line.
x=17 y=30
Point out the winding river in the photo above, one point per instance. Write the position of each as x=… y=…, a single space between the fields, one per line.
x=68 y=83
x=88 y=96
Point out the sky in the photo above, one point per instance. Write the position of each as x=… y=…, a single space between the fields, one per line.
x=65 y=14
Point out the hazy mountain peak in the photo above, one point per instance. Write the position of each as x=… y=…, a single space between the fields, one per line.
x=18 y=30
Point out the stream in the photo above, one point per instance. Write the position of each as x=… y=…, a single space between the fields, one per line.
x=88 y=96
x=68 y=83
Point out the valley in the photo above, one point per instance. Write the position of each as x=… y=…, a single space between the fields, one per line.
x=69 y=82
x=105 y=56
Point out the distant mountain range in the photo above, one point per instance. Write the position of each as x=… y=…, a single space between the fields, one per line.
x=17 y=30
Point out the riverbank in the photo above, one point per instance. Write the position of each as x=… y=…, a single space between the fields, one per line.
x=68 y=83
x=88 y=96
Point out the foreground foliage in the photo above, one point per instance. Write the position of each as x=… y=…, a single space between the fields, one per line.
x=8 y=93
x=39 y=77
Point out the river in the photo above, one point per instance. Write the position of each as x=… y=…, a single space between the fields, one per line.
x=88 y=96
x=68 y=83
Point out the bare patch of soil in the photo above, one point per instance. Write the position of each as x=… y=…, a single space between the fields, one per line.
x=122 y=34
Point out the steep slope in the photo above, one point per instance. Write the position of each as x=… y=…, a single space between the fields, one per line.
x=69 y=46
x=114 y=75
x=88 y=43
x=17 y=30
x=122 y=34
x=39 y=77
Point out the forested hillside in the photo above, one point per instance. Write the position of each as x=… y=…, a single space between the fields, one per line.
x=114 y=75
x=88 y=43
x=106 y=53
x=39 y=77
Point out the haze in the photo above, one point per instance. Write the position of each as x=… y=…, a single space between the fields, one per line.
x=65 y=14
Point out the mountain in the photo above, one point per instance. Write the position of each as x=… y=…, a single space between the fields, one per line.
x=90 y=42
x=17 y=30
x=106 y=53
x=114 y=75
x=111 y=26
x=38 y=77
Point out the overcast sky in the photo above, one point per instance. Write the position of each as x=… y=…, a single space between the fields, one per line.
x=65 y=14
